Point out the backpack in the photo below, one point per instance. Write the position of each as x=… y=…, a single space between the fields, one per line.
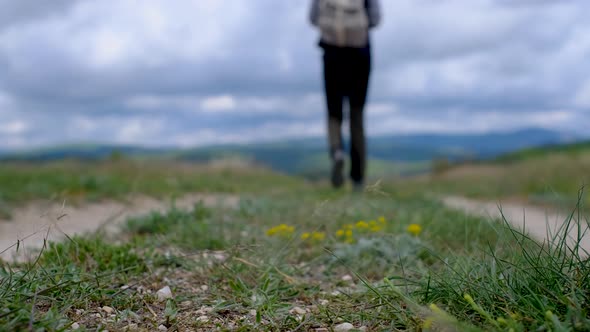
x=344 y=23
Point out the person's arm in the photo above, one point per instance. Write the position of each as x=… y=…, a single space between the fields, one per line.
x=374 y=11
x=314 y=12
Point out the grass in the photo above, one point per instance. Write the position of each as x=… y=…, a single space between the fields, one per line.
x=228 y=272
x=81 y=182
x=540 y=176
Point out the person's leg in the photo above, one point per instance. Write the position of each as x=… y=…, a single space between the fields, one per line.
x=358 y=94
x=334 y=101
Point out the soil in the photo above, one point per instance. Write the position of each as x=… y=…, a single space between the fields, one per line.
x=541 y=223
x=38 y=221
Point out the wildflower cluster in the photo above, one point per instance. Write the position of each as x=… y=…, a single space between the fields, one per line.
x=282 y=230
x=313 y=236
x=346 y=233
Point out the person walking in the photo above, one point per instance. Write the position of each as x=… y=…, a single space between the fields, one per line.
x=344 y=28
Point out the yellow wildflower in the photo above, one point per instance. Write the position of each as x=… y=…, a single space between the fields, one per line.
x=348 y=233
x=362 y=224
x=318 y=236
x=340 y=233
x=376 y=229
x=305 y=236
x=281 y=230
x=414 y=229
x=427 y=323
x=381 y=220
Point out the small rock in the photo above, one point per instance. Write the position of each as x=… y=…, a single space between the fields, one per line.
x=322 y=329
x=324 y=302
x=203 y=319
x=75 y=326
x=108 y=309
x=335 y=293
x=162 y=328
x=186 y=303
x=363 y=328
x=164 y=294
x=97 y=315
x=344 y=327
x=297 y=311
x=253 y=312
x=346 y=278
x=220 y=256
x=204 y=310
x=131 y=327
x=204 y=288
x=79 y=312
x=124 y=287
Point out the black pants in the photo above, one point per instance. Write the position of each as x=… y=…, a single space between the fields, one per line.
x=346 y=76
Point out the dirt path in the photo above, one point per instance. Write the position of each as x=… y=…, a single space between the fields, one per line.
x=537 y=222
x=37 y=221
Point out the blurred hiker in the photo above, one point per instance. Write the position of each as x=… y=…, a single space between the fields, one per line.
x=344 y=26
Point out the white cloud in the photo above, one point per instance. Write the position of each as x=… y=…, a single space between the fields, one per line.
x=464 y=121
x=223 y=103
x=381 y=109
x=178 y=71
x=163 y=102
x=13 y=127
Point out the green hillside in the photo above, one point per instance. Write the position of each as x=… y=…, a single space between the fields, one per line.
x=573 y=150
x=547 y=175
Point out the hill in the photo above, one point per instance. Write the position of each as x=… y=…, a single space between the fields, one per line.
x=551 y=174
x=401 y=154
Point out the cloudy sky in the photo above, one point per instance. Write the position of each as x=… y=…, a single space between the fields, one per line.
x=194 y=72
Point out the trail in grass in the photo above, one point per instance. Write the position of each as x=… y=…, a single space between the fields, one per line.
x=538 y=222
x=37 y=221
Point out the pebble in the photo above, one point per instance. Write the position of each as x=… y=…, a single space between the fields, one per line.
x=162 y=328
x=324 y=302
x=204 y=310
x=131 y=327
x=204 y=288
x=344 y=327
x=322 y=329
x=79 y=311
x=108 y=309
x=347 y=278
x=298 y=311
x=253 y=312
x=164 y=294
x=186 y=303
x=75 y=326
x=203 y=319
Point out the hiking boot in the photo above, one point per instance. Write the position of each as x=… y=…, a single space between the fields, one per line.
x=337 y=169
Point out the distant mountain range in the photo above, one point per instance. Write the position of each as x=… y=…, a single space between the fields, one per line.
x=308 y=155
